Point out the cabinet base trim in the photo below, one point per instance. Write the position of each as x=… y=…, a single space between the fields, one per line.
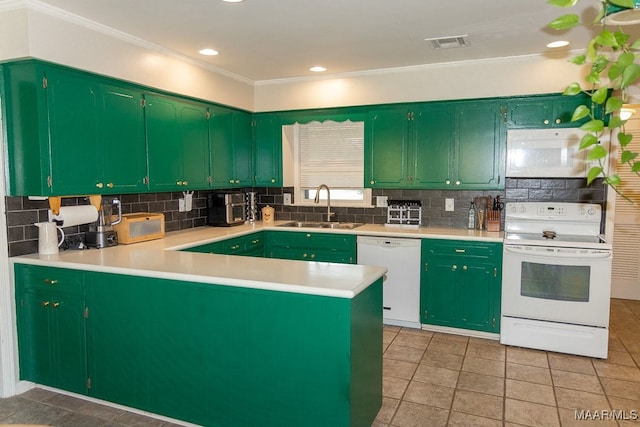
x=458 y=331
x=403 y=323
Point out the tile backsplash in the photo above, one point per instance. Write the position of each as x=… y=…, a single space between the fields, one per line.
x=22 y=212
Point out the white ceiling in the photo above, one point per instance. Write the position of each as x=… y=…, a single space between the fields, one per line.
x=275 y=39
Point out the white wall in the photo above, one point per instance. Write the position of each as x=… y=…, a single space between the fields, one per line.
x=478 y=79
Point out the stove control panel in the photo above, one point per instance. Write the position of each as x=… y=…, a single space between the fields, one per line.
x=589 y=212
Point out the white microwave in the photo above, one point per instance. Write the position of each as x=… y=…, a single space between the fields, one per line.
x=546 y=153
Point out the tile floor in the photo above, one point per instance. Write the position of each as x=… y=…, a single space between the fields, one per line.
x=434 y=379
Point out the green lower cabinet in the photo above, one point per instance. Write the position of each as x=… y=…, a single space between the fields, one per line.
x=249 y=245
x=461 y=284
x=50 y=310
x=321 y=247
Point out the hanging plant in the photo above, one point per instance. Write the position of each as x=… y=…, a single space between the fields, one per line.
x=613 y=68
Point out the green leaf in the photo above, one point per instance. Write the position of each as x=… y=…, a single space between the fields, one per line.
x=635 y=45
x=593 y=78
x=625 y=59
x=597 y=152
x=600 y=95
x=613 y=180
x=588 y=140
x=616 y=122
x=600 y=64
x=636 y=167
x=630 y=75
x=621 y=37
x=606 y=38
x=623 y=3
x=613 y=104
x=593 y=126
x=615 y=71
x=573 y=89
x=580 y=112
x=565 y=22
x=579 y=60
x=593 y=173
x=592 y=50
x=562 y=3
x=624 y=139
x=627 y=156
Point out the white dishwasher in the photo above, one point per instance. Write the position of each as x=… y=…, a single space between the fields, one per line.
x=401 y=287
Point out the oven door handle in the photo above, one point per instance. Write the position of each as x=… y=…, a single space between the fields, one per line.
x=544 y=251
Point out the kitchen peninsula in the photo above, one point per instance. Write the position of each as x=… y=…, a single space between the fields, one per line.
x=209 y=339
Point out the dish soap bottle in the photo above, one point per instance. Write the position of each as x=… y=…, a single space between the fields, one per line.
x=472 y=216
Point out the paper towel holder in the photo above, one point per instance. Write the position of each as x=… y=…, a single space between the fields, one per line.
x=56 y=201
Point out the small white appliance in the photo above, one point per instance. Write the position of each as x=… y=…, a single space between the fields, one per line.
x=556 y=278
x=401 y=287
x=547 y=153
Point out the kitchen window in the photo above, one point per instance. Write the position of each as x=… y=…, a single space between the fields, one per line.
x=330 y=153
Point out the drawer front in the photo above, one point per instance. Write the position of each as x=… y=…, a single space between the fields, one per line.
x=317 y=255
x=462 y=248
x=33 y=278
x=254 y=245
x=293 y=239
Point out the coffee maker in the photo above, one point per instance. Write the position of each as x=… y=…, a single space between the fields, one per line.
x=101 y=234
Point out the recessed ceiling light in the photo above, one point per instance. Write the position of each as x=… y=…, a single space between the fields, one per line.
x=317 y=69
x=559 y=43
x=208 y=52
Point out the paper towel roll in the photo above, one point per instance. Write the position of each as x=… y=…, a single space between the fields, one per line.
x=75 y=215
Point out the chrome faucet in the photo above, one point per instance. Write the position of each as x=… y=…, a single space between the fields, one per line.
x=317 y=200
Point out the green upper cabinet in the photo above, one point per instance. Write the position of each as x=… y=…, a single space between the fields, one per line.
x=178 y=144
x=67 y=130
x=267 y=150
x=479 y=151
x=230 y=134
x=544 y=111
x=439 y=145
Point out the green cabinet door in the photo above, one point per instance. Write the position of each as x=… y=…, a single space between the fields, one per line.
x=221 y=141
x=460 y=284
x=303 y=246
x=267 y=151
x=121 y=138
x=480 y=137
x=178 y=147
x=242 y=149
x=385 y=150
x=50 y=311
x=72 y=104
x=431 y=150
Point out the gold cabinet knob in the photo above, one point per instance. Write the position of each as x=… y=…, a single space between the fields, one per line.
x=255 y=242
x=185 y=183
x=230 y=181
x=237 y=181
x=546 y=121
x=44 y=303
x=110 y=185
x=50 y=281
x=99 y=185
x=273 y=180
x=454 y=267
x=464 y=267
x=304 y=255
x=558 y=121
x=179 y=183
x=458 y=182
x=372 y=182
x=308 y=236
x=55 y=305
x=447 y=181
x=313 y=256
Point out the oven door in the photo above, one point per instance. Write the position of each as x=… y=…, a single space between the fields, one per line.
x=567 y=285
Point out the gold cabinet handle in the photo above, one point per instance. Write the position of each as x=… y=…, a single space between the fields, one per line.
x=454 y=267
x=447 y=181
x=460 y=251
x=235 y=247
x=110 y=185
x=372 y=182
x=185 y=183
x=558 y=121
x=237 y=181
x=273 y=180
x=304 y=255
x=546 y=121
x=55 y=305
x=464 y=267
x=230 y=181
x=99 y=185
x=255 y=242
x=458 y=182
x=50 y=281
x=308 y=235
x=313 y=256
x=179 y=183
x=44 y=303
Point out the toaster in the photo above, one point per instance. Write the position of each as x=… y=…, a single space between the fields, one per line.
x=140 y=227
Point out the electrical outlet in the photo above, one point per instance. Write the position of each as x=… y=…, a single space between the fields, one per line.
x=382 y=201
x=448 y=205
x=181 y=205
x=286 y=199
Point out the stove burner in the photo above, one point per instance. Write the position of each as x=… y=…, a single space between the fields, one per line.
x=549 y=235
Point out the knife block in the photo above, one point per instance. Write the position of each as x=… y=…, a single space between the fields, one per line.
x=493 y=220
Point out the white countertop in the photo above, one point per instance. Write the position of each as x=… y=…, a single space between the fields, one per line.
x=162 y=259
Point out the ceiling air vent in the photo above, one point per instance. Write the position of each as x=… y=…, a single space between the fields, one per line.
x=449 y=42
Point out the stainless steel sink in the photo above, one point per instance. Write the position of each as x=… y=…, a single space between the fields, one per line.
x=320 y=224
